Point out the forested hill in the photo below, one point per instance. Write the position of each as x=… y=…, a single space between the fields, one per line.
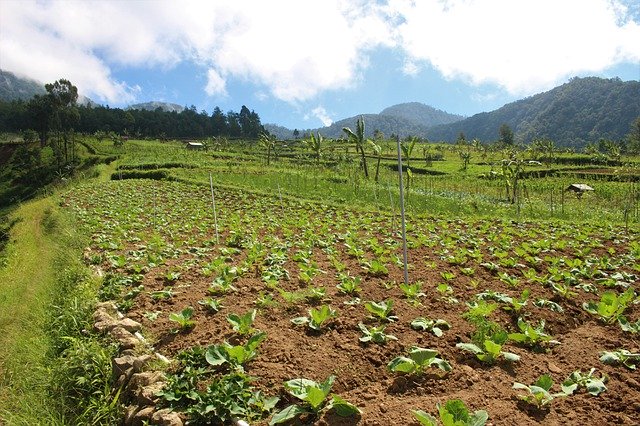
x=13 y=87
x=407 y=119
x=580 y=111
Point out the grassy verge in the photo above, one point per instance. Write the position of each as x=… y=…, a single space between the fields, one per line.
x=49 y=363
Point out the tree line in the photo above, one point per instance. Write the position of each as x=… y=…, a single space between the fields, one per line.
x=43 y=113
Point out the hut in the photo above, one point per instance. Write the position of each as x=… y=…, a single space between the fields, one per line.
x=579 y=188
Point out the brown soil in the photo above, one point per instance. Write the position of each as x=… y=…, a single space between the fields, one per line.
x=362 y=377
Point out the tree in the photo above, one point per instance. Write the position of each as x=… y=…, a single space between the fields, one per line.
x=506 y=135
x=633 y=138
x=315 y=144
x=358 y=139
x=296 y=134
x=267 y=142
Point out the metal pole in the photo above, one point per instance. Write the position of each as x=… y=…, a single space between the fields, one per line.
x=404 y=229
x=213 y=202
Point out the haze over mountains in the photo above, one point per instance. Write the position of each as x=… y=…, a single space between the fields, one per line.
x=580 y=111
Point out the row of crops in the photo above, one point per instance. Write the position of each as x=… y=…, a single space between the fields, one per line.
x=277 y=309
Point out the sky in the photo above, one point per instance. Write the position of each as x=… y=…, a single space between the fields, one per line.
x=305 y=63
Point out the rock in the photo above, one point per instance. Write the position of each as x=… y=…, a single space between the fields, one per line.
x=140 y=380
x=143 y=415
x=121 y=364
x=124 y=338
x=166 y=417
x=129 y=414
x=147 y=395
x=129 y=325
x=124 y=378
x=554 y=368
x=139 y=363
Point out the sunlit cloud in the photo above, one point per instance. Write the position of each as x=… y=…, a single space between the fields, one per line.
x=294 y=50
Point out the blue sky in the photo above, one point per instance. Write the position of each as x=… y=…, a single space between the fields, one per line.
x=305 y=63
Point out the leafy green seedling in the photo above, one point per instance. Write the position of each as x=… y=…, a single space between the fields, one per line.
x=538 y=393
x=631 y=327
x=376 y=268
x=211 y=304
x=349 y=285
x=375 y=334
x=552 y=306
x=611 y=306
x=453 y=413
x=243 y=324
x=621 y=356
x=489 y=353
x=183 y=318
x=418 y=361
x=593 y=384
x=316 y=318
x=412 y=291
x=315 y=398
x=237 y=355
x=530 y=335
x=434 y=326
x=167 y=293
x=382 y=310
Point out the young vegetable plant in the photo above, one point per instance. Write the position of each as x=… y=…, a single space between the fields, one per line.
x=211 y=304
x=418 y=361
x=621 y=356
x=531 y=336
x=315 y=398
x=611 y=306
x=412 y=291
x=349 y=285
x=243 y=324
x=489 y=353
x=539 y=392
x=375 y=334
x=434 y=326
x=593 y=384
x=453 y=413
x=317 y=317
x=183 y=319
x=382 y=310
x=235 y=356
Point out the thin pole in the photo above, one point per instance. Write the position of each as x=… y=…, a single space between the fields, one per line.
x=213 y=202
x=404 y=229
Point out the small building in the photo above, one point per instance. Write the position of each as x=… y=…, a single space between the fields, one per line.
x=195 y=145
x=579 y=188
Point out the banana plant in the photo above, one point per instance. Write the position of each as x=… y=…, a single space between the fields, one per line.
x=315 y=144
x=359 y=140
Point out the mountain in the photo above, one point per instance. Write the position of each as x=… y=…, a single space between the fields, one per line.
x=407 y=119
x=153 y=105
x=421 y=114
x=13 y=88
x=579 y=111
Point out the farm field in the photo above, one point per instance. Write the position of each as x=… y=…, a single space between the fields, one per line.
x=536 y=298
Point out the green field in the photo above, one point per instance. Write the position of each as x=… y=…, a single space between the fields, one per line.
x=299 y=274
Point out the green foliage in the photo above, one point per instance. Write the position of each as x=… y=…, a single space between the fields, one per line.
x=315 y=398
x=243 y=324
x=489 y=353
x=621 y=356
x=381 y=310
x=375 y=334
x=453 y=413
x=317 y=317
x=531 y=335
x=349 y=285
x=183 y=318
x=611 y=305
x=235 y=355
x=211 y=304
x=593 y=384
x=418 y=361
x=539 y=393
x=434 y=326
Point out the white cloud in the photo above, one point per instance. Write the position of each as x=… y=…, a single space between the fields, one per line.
x=215 y=84
x=295 y=49
x=522 y=46
x=321 y=114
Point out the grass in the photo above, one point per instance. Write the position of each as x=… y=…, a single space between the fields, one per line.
x=51 y=372
x=25 y=286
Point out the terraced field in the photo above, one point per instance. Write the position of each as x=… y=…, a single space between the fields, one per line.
x=303 y=290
